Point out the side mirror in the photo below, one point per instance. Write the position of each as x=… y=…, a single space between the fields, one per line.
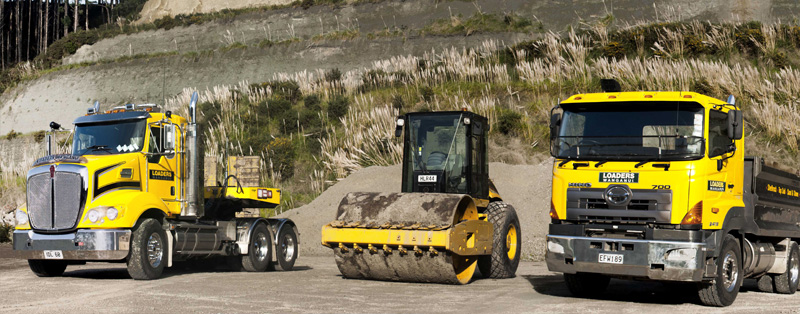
x=401 y=121
x=735 y=125
x=169 y=137
x=555 y=122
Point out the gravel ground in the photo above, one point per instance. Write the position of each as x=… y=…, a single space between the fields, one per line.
x=526 y=187
x=315 y=286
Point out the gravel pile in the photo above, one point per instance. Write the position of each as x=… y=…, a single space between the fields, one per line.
x=526 y=187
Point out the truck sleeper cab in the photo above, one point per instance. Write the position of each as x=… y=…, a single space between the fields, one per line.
x=655 y=185
x=130 y=191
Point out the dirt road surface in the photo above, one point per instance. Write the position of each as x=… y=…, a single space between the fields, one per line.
x=315 y=286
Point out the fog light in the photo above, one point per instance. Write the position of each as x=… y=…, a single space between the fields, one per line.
x=681 y=255
x=93 y=215
x=22 y=217
x=554 y=247
x=112 y=213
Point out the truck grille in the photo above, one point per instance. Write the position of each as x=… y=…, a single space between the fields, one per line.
x=55 y=203
x=645 y=206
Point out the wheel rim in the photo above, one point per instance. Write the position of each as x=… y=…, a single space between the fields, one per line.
x=730 y=272
x=511 y=242
x=794 y=270
x=154 y=251
x=288 y=247
x=261 y=246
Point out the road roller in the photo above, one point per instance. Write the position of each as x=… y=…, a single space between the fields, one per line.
x=448 y=220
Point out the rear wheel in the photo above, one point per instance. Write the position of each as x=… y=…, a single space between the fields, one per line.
x=506 y=246
x=287 y=249
x=787 y=282
x=723 y=289
x=586 y=284
x=259 y=252
x=765 y=284
x=148 y=248
x=43 y=268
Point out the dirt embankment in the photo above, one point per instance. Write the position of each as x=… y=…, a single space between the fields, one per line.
x=526 y=187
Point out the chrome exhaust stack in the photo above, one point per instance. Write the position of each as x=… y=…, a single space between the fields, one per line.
x=194 y=193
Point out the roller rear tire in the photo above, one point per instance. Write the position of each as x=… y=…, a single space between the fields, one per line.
x=506 y=242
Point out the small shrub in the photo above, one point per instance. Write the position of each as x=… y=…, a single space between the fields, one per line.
x=338 y=107
x=5 y=232
x=277 y=106
x=306 y=4
x=266 y=43
x=694 y=45
x=509 y=122
x=39 y=136
x=12 y=135
x=780 y=59
x=281 y=151
x=333 y=75
x=427 y=93
x=398 y=103
x=310 y=120
x=312 y=102
x=614 y=50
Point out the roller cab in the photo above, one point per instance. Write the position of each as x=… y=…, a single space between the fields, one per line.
x=448 y=220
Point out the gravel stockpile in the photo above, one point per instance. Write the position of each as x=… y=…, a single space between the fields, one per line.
x=526 y=187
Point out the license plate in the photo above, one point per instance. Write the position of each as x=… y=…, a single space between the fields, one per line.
x=54 y=254
x=610 y=258
x=426 y=178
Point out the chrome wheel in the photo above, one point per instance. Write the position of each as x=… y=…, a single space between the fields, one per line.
x=287 y=246
x=261 y=246
x=730 y=272
x=154 y=250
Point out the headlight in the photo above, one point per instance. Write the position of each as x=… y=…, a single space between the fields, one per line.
x=112 y=213
x=555 y=247
x=93 y=215
x=22 y=217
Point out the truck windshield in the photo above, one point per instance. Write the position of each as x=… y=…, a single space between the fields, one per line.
x=116 y=137
x=438 y=142
x=631 y=131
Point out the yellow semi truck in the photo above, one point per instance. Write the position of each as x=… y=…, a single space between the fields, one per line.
x=656 y=185
x=131 y=191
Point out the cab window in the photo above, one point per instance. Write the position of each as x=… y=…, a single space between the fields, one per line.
x=718 y=141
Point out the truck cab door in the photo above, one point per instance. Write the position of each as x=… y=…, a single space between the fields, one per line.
x=721 y=168
x=162 y=167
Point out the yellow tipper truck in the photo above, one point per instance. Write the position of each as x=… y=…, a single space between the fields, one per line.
x=656 y=185
x=131 y=191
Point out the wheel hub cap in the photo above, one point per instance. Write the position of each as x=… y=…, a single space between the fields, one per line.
x=154 y=251
x=288 y=247
x=730 y=272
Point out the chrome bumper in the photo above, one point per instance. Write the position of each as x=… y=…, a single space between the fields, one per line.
x=653 y=259
x=112 y=244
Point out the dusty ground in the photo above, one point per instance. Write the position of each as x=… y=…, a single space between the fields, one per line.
x=316 y=287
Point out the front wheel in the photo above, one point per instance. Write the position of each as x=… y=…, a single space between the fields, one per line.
x=43 y=268
x=506 y=242
x=287 y=249
x=259 y=252
x=723 y=289
x=148 y=247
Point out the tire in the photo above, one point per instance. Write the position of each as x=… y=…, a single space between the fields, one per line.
x=146 y=259
x=259 y=251
x=765 y=284
x=506 y=243
x=586 y=284
x=787 y=282
x=287 y=249
x=724 y=288
x=43 y=268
